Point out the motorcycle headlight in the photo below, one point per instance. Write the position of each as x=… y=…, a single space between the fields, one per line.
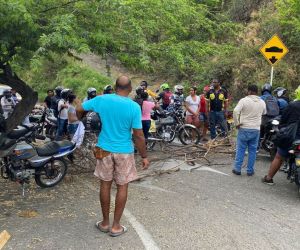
x=297 y=162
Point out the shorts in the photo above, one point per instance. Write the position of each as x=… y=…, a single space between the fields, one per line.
x=192 y=119
x=203 y=117
x=118 y=167
x=283 y=152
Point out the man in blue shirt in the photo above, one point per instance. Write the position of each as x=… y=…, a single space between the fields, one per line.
x=120 y=116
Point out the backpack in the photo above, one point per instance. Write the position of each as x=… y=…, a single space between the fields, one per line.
x=167 y=98
x=272 y=106
x=286 y=135
x=92 y=122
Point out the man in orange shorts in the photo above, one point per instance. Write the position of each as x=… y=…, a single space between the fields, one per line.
x=115 y=155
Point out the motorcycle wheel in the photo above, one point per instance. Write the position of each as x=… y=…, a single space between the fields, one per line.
x=51 y=173
x=189 y=135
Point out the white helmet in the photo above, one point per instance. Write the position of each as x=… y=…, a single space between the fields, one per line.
x=178 y=88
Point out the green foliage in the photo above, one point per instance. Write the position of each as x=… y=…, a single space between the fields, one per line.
x=190 y=41
x=79 y=78
x=56 y=70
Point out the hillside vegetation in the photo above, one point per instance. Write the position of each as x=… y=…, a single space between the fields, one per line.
x=187 y=41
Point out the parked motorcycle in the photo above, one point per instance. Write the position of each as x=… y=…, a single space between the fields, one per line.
x=267 y=142
x=20 y=159
x=292 y=167
x=168 y=125
x=46 y=122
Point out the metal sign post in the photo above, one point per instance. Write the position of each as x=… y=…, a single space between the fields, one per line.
x=272 y=75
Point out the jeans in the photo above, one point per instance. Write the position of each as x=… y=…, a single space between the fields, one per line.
x=72 y=129
x=217 y=117
x=61 y=128
x=146 y=126
x=246 y=138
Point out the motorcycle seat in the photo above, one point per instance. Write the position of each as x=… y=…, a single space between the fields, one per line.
x=65 y=145
x=296 y=143
x=7 y=144
x=48 y=149
x=17 y=132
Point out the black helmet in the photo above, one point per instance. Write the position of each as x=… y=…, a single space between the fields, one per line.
x=65 y=93
x=280 y=92
x=7 y=93
x=144 y=84
x=58 y=90
x=108 y=89
x=91 y=93
x=267 y=87
x=139 y=90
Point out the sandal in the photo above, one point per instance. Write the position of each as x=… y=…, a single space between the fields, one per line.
x=99 y=227
x=118 y=233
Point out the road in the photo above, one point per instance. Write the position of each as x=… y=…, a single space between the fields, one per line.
x=208 y=208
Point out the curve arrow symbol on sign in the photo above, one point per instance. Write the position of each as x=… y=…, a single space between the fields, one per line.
x=273 y=59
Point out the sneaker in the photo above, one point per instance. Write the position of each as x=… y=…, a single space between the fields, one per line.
x=236 y=172
x=250 y=174
x=269 y=182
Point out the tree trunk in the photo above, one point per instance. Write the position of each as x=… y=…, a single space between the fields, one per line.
x=24 y=107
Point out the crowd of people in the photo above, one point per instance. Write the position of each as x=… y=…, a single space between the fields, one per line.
x=62 y=101
x=203 y=111
x=123 y=118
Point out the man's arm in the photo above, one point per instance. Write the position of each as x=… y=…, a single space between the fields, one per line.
x=80 y=112
x=160 y=96
x=140 y=144
x=237 y=112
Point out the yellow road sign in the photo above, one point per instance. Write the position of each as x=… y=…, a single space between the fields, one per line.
x=274 y=50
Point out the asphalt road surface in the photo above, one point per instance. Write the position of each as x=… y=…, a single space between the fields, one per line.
x=208 y=208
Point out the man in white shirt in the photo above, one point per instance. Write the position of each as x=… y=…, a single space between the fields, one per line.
x=247 y=117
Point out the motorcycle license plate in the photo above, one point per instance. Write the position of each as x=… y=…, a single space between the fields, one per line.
x=298 y=162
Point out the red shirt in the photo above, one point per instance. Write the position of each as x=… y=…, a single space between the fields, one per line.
x=203 y=104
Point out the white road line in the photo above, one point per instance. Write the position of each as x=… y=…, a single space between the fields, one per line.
x=211 y=170
x=144 y=235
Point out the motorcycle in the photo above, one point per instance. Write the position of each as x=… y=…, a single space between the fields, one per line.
x=267 y=142
x=20 y=159
x=168 y=124
x=293 y=164
x=46 y=122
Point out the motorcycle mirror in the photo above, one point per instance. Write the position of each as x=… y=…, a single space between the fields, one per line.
x=275 y=122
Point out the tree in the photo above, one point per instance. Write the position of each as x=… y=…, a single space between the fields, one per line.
x=28 y=29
